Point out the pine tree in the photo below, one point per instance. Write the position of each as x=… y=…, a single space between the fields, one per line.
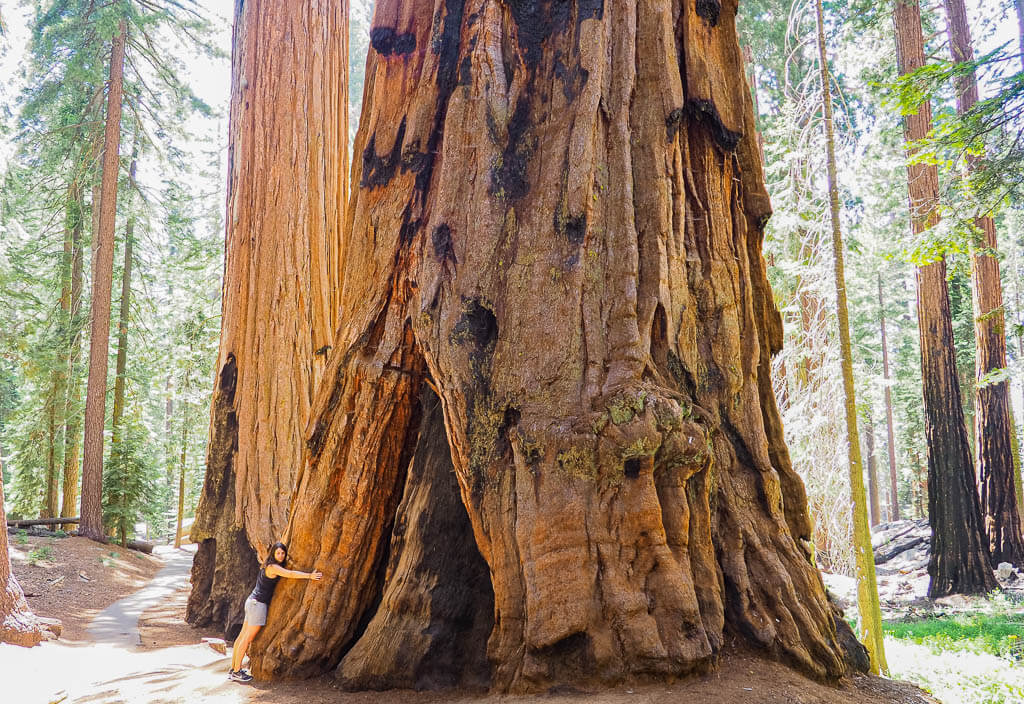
x=102 y=274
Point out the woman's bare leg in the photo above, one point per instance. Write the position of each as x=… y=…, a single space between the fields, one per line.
x=245 y=637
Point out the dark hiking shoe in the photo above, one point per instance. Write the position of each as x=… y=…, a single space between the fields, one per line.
x=239 y=676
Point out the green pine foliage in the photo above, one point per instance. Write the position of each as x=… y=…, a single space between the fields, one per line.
x=54 y=138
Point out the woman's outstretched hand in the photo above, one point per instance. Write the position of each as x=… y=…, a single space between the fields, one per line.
x=316 y=575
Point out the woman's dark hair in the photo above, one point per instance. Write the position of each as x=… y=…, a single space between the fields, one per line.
x=271 y=560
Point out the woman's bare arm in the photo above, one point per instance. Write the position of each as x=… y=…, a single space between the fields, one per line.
x=276 y=570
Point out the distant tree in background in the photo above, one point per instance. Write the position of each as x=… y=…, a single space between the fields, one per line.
x=959 y=562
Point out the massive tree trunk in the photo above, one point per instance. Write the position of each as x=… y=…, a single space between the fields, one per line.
x=17 y=623
x=959 y=560
x=894 y=500
x=992 y=428
x=102 y=276
x=558 y=225
x=286 y=204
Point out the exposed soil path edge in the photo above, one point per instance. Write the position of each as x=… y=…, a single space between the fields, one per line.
x=118 y=624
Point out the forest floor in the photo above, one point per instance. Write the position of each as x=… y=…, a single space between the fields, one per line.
x=165 y=661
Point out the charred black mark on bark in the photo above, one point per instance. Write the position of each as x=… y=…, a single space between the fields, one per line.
x=413 y=159
x=534 y=25
x=466 y=71
x=386 y=41
x=673 y=122
x=659 y=340
x=589 y=9
x=508 y=177
x=537 y=20
x=573 y=77
x=706 y=112
x=510 y=420
x=632 y=468
x=229 y=379
x=709 y=10
x=445 y=43
x=410 y=226
x=442 y=239
x=379 y=170
x=576 y=229
x=477 y=325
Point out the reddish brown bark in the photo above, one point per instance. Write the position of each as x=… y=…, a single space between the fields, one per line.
x=102 y=277
x=124 y=316
x=992 y=427
x=558 y=224
x=17 y=623
x=73 y=402
x=287 y=186
x=959 y=560
x=894 y=501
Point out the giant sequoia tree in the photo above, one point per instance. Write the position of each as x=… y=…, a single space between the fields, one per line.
x=17 y=623
x=286 y=188
x=545 y=446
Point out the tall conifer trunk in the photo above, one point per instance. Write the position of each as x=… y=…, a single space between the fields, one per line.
x=73 y=399
x=874 y=505
x=992 y=428
x=959 y=562
x=103 y=268
x=894 y=501
x=124 y=317
x=868 y=607
x=558 y=227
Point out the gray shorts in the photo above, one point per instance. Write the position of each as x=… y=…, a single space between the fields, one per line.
x=255 y=612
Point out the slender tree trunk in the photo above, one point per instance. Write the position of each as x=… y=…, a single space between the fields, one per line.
x=73 y=402
x=124 y=317
x=181 y=476
x=959 y=561
x=276 y=330
x=992 y=429
x=103 y=265
x=52 y=496
x=894 y=501
x=868 y=606
x=874 y=504
x=182 y=465
x=17 y=623
x=590 y=177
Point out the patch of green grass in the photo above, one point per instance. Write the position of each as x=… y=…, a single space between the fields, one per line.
x=40 y=554
x=22 y=537
x=1000 y=634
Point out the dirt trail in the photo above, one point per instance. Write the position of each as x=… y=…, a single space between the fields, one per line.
x=111 y=668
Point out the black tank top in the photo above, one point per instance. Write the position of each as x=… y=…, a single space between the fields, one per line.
x=265 y=587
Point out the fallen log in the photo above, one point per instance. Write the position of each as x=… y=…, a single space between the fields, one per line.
x=145 y=546
x=41 y=522
x=894 y=549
